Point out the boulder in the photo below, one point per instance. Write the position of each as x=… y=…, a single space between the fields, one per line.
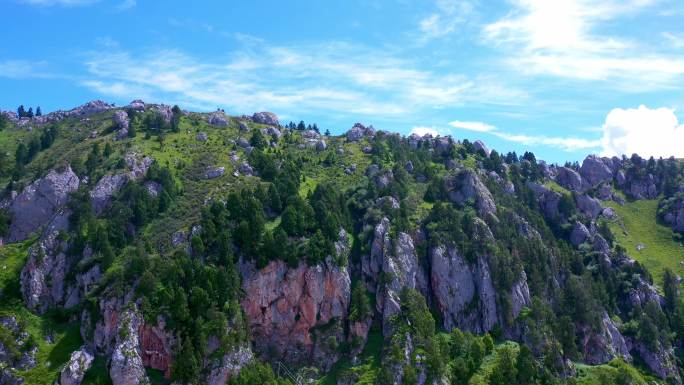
x=358 y=131
x=245 y=169
x=268 y=118
x=137 y=105
x=218 y=119
x=202 y=136
x=479 y=145
x=547 y=198
x=590 y=207
x=579 y=234
x=120 y=119
x=214 y=172
x=74 y=371
x=243 y=126
x=409 y=167
x=321 y=145
x=569 y=178
x=39 y=201
x=594 y=170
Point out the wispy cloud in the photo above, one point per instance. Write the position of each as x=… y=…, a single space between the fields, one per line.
x=560 y=38
x=127 y=4
x=425 y=130
x=67 y=3
x=24 y=69
x=563 y=143
x=448 y=16
x=472 y=126
x=337 y=78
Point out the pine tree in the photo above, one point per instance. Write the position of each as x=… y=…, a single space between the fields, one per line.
x=29 y=114
x=21 y=112
x=39 y=112
x=327 y=132
x=301 y=126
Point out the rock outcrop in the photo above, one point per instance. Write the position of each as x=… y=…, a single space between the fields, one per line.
x=602 y=346
x=465 y=187
x=42 y=278
x=283 y=305
x=121 y=122
x=126 y=366
x=358 y=131
x=672 y=212
x=594 y=170
x=230 y=365
x=218 y=119
x=569 y=178
x=156 y=346
x=74 y=371
x=268 y=118
x=39 y=201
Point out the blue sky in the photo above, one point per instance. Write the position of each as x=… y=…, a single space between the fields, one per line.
x=564 y=78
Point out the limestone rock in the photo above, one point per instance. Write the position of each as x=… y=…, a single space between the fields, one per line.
x=74 y=371
x=42 y=278
x=594 y=170
x=466 y=186
x=579 y=234
x=215 y=172
x=126 y=366
x=218 y=119
x=230 y=365
x=604 y=345
x=268 y=118
x=479 y=145
x=569 y=178
x=590 y=207
x=137 y=105
x=104 y=190
x=39 y=201
x=358 y=131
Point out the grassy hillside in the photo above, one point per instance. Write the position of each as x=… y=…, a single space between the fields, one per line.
x=654 y=245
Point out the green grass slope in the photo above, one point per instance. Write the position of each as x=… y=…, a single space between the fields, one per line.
x=637 y=226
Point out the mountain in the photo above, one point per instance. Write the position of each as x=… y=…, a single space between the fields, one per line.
x=152 y=245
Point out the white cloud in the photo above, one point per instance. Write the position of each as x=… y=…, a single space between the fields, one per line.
x=560 y=38
x=332 y=77
x=423 y=130
x=68 y=3
x=645 y=131
x=127 y=4
x=563 y=143
x=24 y=69
x=472 y=126
x=449 y=15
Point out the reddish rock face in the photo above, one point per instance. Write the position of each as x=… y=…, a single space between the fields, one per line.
x=283 y=304
x=155 y=347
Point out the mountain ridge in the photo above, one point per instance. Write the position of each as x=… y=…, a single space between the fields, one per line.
x=205 y=246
